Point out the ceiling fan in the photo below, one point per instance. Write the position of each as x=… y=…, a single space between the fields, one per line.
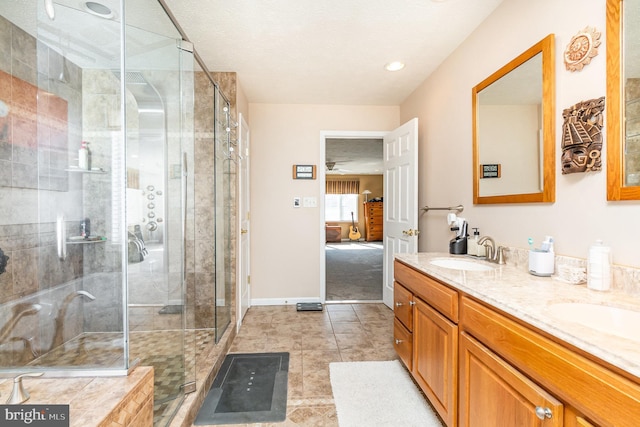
x=331 y=166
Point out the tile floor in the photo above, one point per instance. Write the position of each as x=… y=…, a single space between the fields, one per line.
x=340 y=333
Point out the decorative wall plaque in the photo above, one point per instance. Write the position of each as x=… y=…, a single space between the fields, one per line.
x=582 y=47
x=304 y=171
x=490 y=171
x=582 y=136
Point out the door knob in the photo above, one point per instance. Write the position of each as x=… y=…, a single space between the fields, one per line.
x=243 y=231
x=410 y=232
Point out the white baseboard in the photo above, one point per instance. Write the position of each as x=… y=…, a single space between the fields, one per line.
x=282 y=301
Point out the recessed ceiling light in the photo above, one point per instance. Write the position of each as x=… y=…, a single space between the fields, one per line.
x=98 y=9
x=394 y=66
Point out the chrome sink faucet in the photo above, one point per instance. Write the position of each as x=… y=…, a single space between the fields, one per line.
x=495 y=255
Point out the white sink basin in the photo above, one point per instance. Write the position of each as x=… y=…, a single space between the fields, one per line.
x=617 y=321
x=460 y=264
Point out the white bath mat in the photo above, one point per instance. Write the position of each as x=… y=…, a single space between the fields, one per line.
x=378 y=394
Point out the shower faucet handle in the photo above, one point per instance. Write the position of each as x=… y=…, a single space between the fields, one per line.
x=19 y=394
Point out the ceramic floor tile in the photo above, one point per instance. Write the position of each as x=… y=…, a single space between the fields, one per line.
x=348 y=328
x=341 y=332
x=339 y=307
x=319 y=341
x=353 y=341
x=343 y=316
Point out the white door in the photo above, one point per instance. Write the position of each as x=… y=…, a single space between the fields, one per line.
x=244 y=220
x=400 y=199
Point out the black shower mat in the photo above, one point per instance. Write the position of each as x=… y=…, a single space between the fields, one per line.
x=249 y=388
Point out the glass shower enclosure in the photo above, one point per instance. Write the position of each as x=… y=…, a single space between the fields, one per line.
x=100 y=262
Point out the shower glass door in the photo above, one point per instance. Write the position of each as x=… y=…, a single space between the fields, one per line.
x=61 y=305
x=157 y=73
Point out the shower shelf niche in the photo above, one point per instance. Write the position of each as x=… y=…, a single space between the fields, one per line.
x=84 y=241
x=78 y=170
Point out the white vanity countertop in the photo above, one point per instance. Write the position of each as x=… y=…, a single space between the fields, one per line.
x=528 y=298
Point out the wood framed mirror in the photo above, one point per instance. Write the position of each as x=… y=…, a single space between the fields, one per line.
x=623 y=100
x=514 y=130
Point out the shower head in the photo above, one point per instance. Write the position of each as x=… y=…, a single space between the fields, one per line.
x=131 y=77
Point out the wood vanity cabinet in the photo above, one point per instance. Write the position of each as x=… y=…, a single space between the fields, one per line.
x=481 y=367
x=591 y=394
x=373 y=220
x=434 y=333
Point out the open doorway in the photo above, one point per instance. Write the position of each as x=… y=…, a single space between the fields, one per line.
x=353 y=218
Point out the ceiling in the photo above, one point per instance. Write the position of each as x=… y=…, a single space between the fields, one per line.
x=329 y=51
x=353 y=156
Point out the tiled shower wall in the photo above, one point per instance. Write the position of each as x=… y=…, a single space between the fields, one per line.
x=202 y=293
x=201 y=239
x=227 y=82
x=33 y=184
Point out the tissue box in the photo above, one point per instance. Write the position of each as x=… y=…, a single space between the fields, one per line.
x=541 y=263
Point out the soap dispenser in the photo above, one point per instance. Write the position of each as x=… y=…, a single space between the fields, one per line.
x=473 y=248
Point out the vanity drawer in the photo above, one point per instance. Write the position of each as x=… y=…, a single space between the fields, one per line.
x=439 y=296
x=403 y=305
x=403 y=343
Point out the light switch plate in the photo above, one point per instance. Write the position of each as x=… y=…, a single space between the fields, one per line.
x=310 y=202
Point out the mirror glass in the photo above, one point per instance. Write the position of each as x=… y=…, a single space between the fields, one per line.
x=513 y=129
x=623 y=96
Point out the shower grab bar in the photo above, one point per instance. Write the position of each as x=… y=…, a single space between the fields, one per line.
x=61 y=234
x=458 y=208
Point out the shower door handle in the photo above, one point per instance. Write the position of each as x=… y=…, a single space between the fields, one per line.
x=61 y=237
x=185 y=174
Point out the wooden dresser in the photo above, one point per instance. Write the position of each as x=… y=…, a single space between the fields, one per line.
x=373 y=220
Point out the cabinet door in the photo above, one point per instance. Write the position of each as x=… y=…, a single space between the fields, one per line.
x=435 y=359
x=493 y=393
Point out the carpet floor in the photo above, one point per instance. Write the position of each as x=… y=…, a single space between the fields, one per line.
x=354 y=271
x=378 y=394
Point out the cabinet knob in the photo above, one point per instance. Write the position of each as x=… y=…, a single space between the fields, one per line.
x=398 y=341
x=543 y=413
x=412 y=303
x=399 y=304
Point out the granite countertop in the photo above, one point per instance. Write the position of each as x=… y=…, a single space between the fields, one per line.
x=527 y=297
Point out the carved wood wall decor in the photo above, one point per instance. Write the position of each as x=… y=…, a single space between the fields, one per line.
x=582 y=47
x=582 y=136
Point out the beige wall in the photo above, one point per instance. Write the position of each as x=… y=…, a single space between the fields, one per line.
x=241 y=101
x=581 y=213
x=286 y=241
